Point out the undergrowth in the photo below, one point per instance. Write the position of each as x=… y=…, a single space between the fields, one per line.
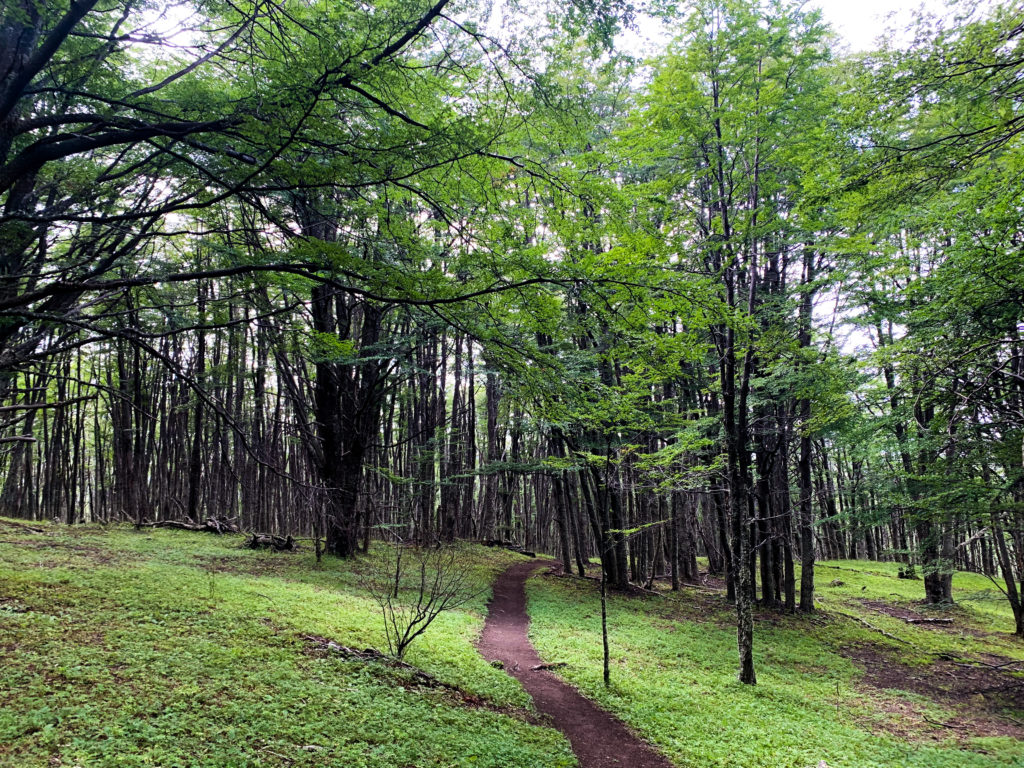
x=166 y=648
x=674 y=665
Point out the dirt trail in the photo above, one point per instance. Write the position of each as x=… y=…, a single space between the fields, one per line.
x=597 y=738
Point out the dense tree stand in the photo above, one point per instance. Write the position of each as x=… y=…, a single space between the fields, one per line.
x=598 y=739
x=344 y=271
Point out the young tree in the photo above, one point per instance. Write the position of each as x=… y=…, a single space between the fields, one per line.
x=724 y=110
x=413 y=585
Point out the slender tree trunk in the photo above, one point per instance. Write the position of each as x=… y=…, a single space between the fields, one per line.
x=804 y=466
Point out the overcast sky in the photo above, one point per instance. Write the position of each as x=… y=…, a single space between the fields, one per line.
x=859 y=22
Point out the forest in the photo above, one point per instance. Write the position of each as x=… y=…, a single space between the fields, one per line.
x=735 y=316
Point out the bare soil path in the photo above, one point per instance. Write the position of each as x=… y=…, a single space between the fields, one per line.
x=598 y=739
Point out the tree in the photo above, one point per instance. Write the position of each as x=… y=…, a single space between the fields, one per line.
x=935 y=169
x=724 y=108
x=413 y=585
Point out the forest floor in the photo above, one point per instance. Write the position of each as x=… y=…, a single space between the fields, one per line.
x=854 y=685
x=168 y=648
x=598 y=739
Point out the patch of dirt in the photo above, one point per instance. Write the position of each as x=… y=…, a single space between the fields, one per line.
x=598 y=739
x=891 y=609
x=987 y=697
x=898 y=611
x=919 y=619
x=712 y=581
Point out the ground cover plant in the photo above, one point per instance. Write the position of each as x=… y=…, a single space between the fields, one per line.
x=171 y=648
x=165 y=648
x=855 y=685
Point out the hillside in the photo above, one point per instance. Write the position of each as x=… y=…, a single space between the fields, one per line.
x=169 y=648
x=177 y=649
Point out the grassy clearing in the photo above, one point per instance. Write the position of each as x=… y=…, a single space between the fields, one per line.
x=983 y=623
x=166 y=648
x=171 y=649
x=674 y=674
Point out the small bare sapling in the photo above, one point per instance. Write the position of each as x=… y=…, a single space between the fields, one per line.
x=413 y=585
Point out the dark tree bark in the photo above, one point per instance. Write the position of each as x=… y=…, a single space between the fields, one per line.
x=804 y=466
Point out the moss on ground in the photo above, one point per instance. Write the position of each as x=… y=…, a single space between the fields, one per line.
x=674 y=673
x=167 y=648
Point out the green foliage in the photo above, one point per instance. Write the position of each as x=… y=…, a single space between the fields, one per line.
x=673 y=667
x=939 y=284
x=169 y=648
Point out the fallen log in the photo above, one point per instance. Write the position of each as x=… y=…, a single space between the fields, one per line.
x=372 y=654
x=216 y=525
x=944 y=725
x=29 y=528
x=876 y=629
x=928 y=621
x=210 y=525
x=271 y=542
x=511 y=546
x=552 y=665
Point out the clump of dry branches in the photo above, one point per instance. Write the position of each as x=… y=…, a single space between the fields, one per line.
x=413 y=585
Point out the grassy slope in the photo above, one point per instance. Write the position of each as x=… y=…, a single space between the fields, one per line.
x=674 y=673
x=174 y=649
x=167 y=648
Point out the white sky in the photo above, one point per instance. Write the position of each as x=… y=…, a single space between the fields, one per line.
x=859 y=22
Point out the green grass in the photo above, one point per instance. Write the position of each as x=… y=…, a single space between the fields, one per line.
x=166 y=648
x=982 y=616
x=674 y=674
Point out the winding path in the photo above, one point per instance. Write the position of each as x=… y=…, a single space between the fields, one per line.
x=598 y=739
